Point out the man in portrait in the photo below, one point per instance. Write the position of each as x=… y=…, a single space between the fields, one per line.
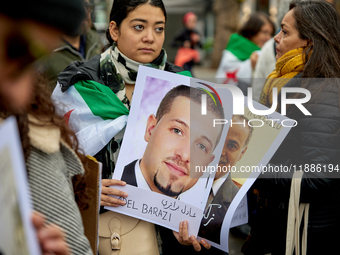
x=224 y=189
x=178 y=138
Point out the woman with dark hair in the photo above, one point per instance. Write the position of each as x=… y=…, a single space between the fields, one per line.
x=258 y=29
x=240 y=56
x=308 y=47
x=26 y=34
x=54 y=166
x=136 y=37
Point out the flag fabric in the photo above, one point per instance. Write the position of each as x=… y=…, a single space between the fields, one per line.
x=93 y=111
x=235 y=63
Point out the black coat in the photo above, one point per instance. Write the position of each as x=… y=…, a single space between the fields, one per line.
x=314 y=142
x=90 y=70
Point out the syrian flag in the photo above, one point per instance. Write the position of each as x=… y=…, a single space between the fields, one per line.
x=93 y=111
x=235 y=64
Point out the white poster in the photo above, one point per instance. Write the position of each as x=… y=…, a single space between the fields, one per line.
x=177 y=162
x=17 y=234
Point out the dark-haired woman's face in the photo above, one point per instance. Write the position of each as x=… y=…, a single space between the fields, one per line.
x=140 y=36
x=288 y=38
x=264 y=35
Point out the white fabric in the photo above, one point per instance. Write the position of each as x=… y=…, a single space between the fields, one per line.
x=230 y=63
x=264 y=66
x=94 y=137
x=295 y=213
x=92 y=131
x=218 y=183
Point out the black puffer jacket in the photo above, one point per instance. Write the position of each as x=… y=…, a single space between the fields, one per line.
x=90 y=70
x=313 y=144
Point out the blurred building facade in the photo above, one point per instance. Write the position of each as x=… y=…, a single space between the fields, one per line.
x=217 y=20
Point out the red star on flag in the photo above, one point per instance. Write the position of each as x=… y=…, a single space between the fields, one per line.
x=230 y=76
x=67 y=116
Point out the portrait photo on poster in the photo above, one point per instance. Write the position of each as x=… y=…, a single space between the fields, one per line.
x=165 y=139
x=250 y=143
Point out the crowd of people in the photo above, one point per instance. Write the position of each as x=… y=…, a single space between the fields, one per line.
x=50 y=47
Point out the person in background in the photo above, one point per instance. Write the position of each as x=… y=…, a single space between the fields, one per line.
x=136 y=37
x=187 y=40
x=243 y=49
x=54 y=166
x=267 y=60
x=305 y=50
x=27 y=33
x=82 y=45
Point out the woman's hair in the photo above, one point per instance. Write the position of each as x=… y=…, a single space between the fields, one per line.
x=42 y=108
x=254 y=24
x=319 y=23
x=121 y=8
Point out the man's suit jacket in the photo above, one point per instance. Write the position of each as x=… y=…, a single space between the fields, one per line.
x=213 y=216
x=129 y=174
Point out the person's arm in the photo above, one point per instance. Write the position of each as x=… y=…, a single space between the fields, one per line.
x=106 y=200
x=51 y=237
x=183 y=238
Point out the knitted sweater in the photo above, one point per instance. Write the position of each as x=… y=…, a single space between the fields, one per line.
x=51 y=166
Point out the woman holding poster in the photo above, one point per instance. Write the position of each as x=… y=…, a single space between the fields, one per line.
x=305 y=49
x=105 y=85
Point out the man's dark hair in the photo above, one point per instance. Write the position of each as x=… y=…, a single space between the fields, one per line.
x=195 y=95
x=121 y=8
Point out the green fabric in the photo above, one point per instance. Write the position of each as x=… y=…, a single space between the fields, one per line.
x=185 y=73
x=241 y=47
x=101 y=100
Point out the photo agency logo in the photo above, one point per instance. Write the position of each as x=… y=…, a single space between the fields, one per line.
x=238 y=105
x=204 y=98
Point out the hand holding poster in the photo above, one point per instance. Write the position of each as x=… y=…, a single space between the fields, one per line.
x=175 y=175
x=157 y=151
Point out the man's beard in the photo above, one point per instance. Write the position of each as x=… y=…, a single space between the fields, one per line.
x=165 y=190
